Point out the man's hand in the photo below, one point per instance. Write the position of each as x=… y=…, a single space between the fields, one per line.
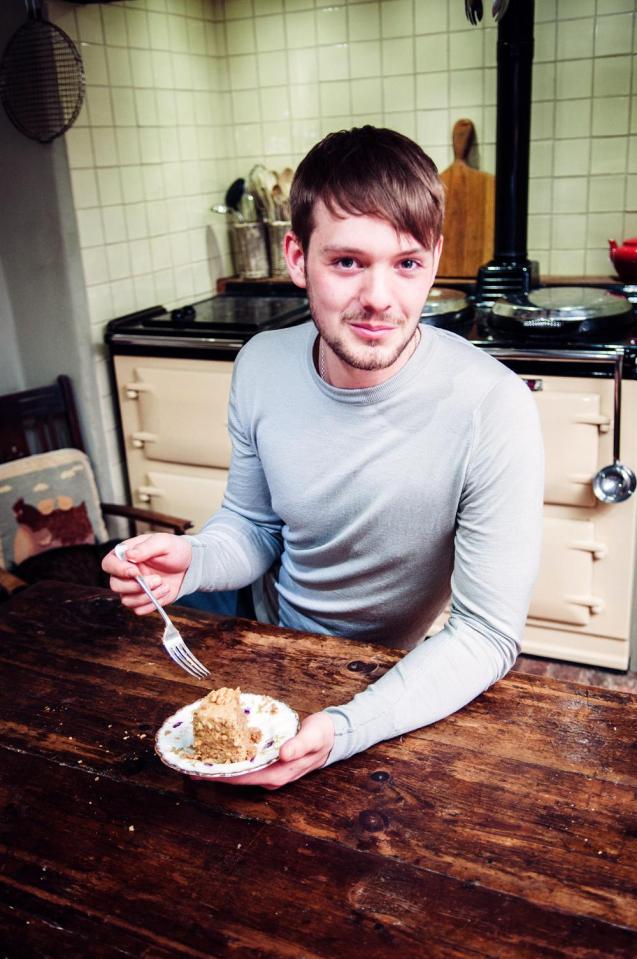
x=308 y=750
x=162 y=558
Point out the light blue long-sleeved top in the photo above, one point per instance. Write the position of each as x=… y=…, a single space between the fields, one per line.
x=358 y=513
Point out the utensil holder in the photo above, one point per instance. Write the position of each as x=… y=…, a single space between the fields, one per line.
x=276 y=232
x=250 y=250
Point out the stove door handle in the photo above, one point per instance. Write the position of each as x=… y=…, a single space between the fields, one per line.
x=595 y=419
x=145 y=493
x=133 y=390
x=597 y=550
x=140 y=437
x=580 y=479
x=595 y=603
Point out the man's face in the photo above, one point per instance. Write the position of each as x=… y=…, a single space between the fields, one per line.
x=366 y=285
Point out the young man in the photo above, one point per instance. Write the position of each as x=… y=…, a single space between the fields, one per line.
x=378 y=465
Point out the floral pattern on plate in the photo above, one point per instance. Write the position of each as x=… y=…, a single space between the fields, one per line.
x=275 y=719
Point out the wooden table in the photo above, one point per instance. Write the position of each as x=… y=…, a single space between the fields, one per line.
x=508 y=830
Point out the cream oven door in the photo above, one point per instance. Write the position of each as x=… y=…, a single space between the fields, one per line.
x=572 y=425
x=174 y=416
x=187 y=491
x=582 y=603
x=182 y=414
x=564 y=591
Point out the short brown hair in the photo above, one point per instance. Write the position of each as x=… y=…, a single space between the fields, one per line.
x=370 y=171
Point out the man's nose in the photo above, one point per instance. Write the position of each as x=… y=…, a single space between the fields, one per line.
x=375 y=294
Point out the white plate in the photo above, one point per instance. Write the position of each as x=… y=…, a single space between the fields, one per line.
x=175 y=736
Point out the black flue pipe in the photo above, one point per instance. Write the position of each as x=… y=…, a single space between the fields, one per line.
x=515 y=71
x=510 y=270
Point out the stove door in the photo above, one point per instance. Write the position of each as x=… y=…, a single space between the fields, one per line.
x=182 y=414
x=183 y=491
x=174 y=414
x=571 y=427
x=564 y=591
x=582 y=603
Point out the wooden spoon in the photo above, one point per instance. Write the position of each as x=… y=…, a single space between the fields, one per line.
x=259 y=182
x=285 y=181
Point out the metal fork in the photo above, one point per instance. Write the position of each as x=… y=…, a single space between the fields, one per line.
x=172 y=639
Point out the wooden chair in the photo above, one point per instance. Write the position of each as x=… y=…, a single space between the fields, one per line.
x=37 y=422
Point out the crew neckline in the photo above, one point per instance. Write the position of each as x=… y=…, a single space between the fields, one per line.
x=373 y=394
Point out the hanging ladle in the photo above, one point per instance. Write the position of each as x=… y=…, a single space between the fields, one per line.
x=615 y=483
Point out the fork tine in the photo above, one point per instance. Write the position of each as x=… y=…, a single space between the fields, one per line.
x=198 y=668
x=189 y=662
x=173 y=641
x=190 y=658
x=182 y=659
x=202 y=669
x=175 y=654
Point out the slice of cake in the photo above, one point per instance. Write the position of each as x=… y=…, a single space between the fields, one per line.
x=221 y=733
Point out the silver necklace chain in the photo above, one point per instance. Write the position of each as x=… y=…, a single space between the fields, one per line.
x=321 y=358
x=321 y=354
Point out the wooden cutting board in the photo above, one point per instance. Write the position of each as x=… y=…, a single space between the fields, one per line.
x=470 y=210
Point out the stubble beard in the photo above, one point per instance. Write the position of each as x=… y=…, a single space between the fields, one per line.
x=371 y=356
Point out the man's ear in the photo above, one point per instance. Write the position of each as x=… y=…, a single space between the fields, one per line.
x=437 y=253
x=294 y=258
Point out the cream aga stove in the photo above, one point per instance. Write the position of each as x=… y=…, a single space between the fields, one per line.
x=172 y=372
x=172 y=375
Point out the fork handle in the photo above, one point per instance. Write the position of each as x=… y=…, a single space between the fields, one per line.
x=142 y=582
x=120 y=552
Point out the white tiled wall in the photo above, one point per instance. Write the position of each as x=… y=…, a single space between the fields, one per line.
x=149 y=154
x=184 y=96
x=298 y=69
x=150 y=150
x=584 y=154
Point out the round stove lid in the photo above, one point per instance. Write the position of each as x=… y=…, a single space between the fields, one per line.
x=442 y=300
x=562 y=304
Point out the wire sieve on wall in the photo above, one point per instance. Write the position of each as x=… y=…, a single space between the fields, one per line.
x=42 y=78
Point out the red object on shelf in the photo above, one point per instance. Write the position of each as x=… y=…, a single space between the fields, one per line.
x=624 y=259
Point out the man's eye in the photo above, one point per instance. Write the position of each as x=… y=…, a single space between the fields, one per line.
x=347 y=262
x=409 y=264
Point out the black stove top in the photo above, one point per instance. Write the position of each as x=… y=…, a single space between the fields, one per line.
x=485 y=333
x=583 y=348
x=235 y=317
x=220 y=325
x=578 y=355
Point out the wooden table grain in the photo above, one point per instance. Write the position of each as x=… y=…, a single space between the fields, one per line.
x=507 y=830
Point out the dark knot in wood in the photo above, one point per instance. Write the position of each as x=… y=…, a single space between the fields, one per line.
x=380 y=776
x=373 y=820
x=358 y=666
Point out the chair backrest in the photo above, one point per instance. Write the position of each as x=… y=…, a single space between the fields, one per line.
x=47 y=500
x=39 y=421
